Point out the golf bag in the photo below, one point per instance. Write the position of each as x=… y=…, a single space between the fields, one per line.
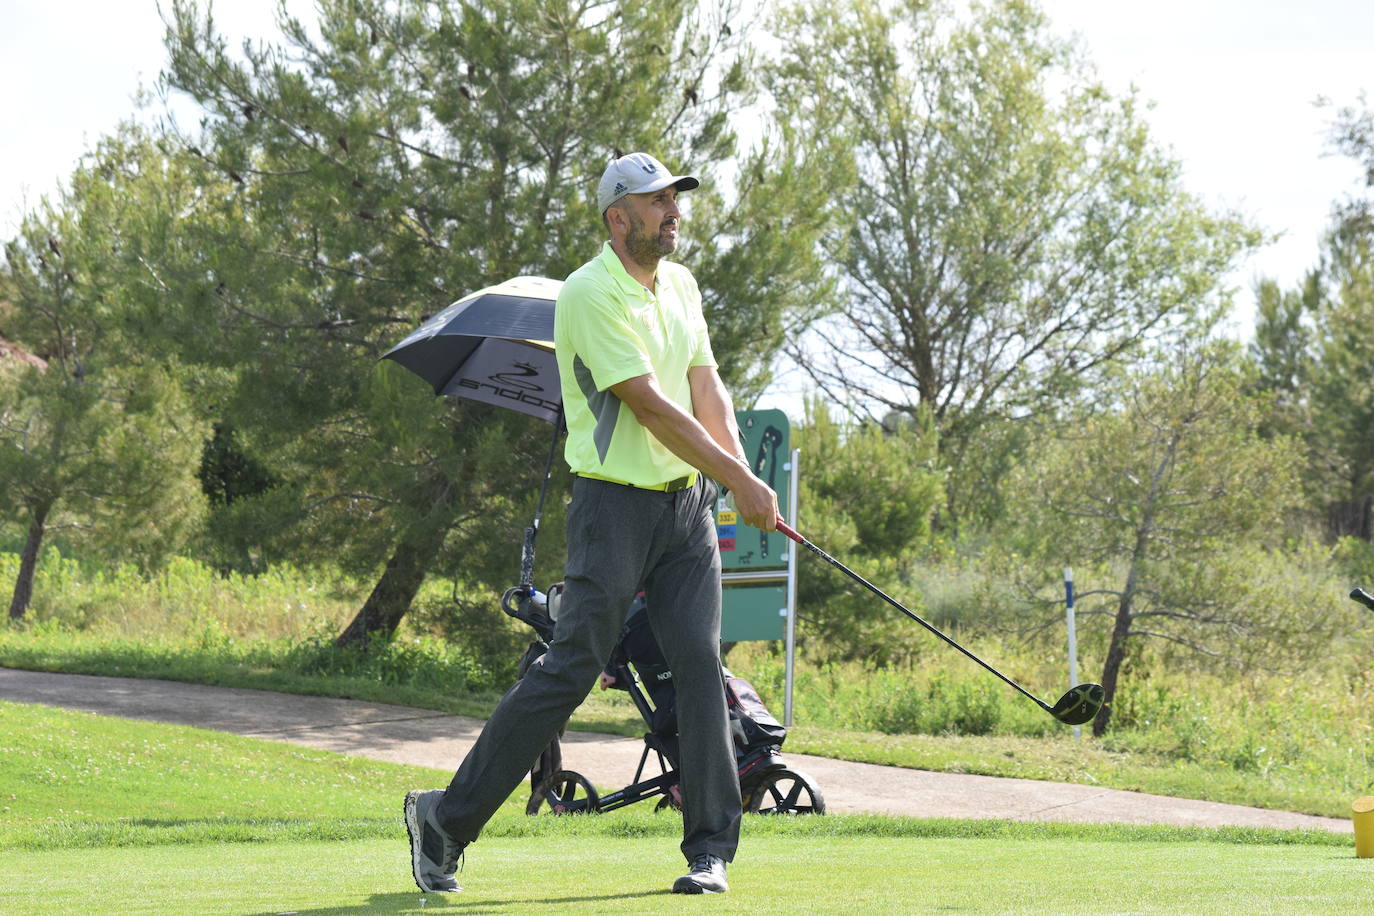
x=757 y=733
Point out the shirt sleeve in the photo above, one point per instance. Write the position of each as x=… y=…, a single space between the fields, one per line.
x=595 y=324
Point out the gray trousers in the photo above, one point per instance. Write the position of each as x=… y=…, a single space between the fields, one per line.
x=621 y=539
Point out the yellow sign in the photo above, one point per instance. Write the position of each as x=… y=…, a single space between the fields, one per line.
x=727 y=518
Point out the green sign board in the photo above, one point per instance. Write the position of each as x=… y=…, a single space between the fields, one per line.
x=768 y=446
x=753 y=612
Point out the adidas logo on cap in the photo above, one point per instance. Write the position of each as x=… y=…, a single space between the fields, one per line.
x=637 y=173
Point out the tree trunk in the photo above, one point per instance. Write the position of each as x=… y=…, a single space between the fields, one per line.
x=381 y=614
x=391 y=597
x=1350 y=519
x=1125 y=612
x=1116 y=655
x=28 y=561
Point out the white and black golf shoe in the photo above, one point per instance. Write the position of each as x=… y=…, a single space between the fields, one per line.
x=434 y=857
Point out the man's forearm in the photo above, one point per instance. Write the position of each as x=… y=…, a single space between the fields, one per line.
x=688 y=438
x=713 y=408
x=685 y=436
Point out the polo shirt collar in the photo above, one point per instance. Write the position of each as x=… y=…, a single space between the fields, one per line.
x=611 y=262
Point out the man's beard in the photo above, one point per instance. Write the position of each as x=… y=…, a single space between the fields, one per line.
x=646 y=249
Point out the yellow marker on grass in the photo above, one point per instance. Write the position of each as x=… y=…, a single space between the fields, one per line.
x=1362 y=813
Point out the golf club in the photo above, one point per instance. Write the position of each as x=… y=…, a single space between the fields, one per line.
x=1363 y=597
x=1077 y=706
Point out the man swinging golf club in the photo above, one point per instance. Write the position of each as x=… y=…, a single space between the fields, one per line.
x=647 y=416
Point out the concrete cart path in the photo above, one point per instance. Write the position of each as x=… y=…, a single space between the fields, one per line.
x=423 y=737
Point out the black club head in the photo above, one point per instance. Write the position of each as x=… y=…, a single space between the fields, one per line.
x=1080 y=704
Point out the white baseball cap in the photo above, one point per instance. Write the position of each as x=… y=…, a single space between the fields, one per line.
x=637 y=173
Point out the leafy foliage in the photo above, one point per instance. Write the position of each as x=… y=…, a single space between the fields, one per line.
x=868 y=495
x=1012 y=230
x=1172 y=485
x=411 y=152
x=99 y=443
x=1315 y=354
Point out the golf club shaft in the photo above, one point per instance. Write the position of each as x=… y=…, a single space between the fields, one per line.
x=532 y=532
x=794 y=535
x=1363 y=597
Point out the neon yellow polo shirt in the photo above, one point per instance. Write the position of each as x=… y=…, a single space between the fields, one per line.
x=608 y=328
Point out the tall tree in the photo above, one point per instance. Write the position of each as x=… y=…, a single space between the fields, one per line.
x=1352 y=133
x=98 y=442
x=1159 y=487
x=412 y=151
x=1282 y=348
x=1341 y=373
x=1316 y=355
x=1012 y=231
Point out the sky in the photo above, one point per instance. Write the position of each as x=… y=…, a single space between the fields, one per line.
x=1232 y=84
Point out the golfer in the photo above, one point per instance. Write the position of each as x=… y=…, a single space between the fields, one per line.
x=647 y=417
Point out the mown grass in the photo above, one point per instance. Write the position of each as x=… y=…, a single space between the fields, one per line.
x=1302 y=744
x=77 y=779
x=65 y=774
x=570 y=873
x=70 y=778
x=121 y=816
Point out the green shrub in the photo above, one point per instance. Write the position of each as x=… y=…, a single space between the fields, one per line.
x=281 y=621
x=949 y=697
x=422 y=662
x=119 y=599
x=941 y=705
x=478 y=624
x=1354 y=559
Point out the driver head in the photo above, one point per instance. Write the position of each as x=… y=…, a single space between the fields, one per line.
x=1080 y=704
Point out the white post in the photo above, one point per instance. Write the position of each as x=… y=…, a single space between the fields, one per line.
x=793 y=468
x=1073 y=637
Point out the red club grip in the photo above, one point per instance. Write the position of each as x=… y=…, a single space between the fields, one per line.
x=789 y=531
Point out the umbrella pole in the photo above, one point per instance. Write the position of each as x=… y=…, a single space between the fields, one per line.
x=532 y=532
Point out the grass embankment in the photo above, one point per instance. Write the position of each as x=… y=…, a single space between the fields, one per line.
x=121 y=816
x=1293 y=744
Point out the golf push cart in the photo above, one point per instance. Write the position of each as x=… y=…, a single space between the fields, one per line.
x=767 y=784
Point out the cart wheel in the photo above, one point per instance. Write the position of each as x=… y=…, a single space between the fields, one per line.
x=784 y=791
x=565 y=792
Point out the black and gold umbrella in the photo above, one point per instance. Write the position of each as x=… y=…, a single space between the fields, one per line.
x=493 y=346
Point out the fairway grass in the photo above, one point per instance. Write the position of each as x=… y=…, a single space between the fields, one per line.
x=774 y=874
x=111 y=816
x=61 y=767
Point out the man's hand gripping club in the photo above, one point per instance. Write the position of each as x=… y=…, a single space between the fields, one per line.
x=707 y=438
